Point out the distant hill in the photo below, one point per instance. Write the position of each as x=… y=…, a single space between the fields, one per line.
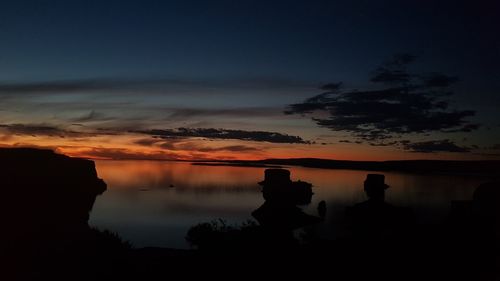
x=415 y=166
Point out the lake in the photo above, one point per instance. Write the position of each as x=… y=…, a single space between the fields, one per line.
x=154 y=203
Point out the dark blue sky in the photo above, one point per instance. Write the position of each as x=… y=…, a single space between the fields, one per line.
x=234 y=64
x=305 y=40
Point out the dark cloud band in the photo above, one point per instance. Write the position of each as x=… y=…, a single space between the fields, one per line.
x=212 y=133
x=40 y=130
x=435 y=146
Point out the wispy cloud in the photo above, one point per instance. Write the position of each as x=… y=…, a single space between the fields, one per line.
x=241 y=112
x=125 y=154
x=213 y=133
x=55 y=87
x=40 y=130
x=181 y=144
x=445 y=145
x=177 y=133
x=91 y=116
x=159 y=85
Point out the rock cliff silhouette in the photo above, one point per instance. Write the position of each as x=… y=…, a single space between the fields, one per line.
x=47 y=198
x=46 y=191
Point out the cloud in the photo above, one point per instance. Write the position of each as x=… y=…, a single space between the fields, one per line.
x=191 y=152
x=212 y=133
x=494 y=147
x=380 y=114
x=40 y=130
x=407 y=104
x=91 y=116
x=435 y=146
x=147 y=142
x=394 y=70
x=60 y=86
x=159 y=85
x=439 y=80
x=89 y=85
x=230 y=148
x=50 y=130
x=243 y=112
x=174 y=136
x=124 y=154
x=186 y=145
x=233 y=148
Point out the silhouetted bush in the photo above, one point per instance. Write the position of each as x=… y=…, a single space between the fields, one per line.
x=217 y=234
x=109 y=241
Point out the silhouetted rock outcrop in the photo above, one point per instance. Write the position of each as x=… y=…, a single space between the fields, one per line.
x=474 y=225
x=375 y=218
x=277 y=218
x=46 y=190
x=279 y=212
x=278 y=188
x=45 y=211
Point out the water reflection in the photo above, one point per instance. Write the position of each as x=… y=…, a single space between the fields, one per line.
x=141 y=205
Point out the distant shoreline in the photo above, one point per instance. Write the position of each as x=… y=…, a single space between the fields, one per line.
x=466 y=167
x=247 y=165
x=480 y=167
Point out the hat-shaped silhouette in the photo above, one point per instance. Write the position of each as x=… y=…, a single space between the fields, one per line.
x=375 y=181
x=276 y=177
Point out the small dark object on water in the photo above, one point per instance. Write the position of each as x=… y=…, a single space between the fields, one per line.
x=171 y=185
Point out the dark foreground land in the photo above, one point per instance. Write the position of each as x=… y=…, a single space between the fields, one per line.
x=45 y=236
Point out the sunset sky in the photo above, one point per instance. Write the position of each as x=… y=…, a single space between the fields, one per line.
x=360 y=80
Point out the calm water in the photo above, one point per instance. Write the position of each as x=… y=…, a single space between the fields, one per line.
x=142 y=207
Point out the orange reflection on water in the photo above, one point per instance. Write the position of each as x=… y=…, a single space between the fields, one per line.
x=125 y=174
x=343 y=185
x=139 y=196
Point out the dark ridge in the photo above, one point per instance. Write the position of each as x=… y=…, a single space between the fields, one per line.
x=253 y=165
x=491 y=167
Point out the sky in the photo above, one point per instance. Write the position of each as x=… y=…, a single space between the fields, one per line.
x=197 y=80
